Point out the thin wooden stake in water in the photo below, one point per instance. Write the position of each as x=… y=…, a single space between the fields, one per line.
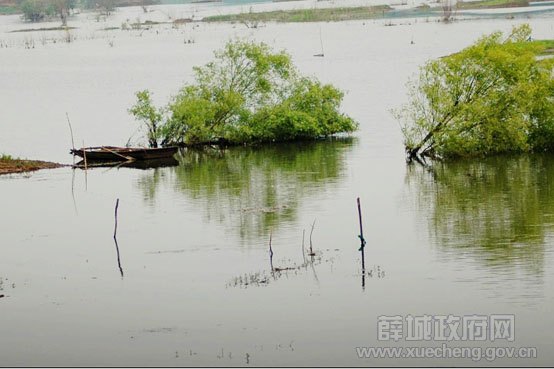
x=85 y=159
x=70 y=130
x=270 y=252
x=115 y=239
x=118 y=257
x=361 y=236
x=115 y=227
x=312 y=253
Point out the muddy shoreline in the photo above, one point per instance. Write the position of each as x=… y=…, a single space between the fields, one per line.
x=11 y=166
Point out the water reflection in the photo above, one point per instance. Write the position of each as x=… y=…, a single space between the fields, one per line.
x=253 y=189
x=499 y=210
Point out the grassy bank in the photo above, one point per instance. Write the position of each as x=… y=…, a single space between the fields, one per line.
x=14 y=165
x=305 y=15
x=491 y=4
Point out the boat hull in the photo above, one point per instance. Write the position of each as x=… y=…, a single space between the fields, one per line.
x=110 y=153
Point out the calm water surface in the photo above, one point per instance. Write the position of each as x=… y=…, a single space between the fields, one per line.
x=194 y=284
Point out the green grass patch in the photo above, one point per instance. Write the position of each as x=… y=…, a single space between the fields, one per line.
x=492 y=4
x=305 y=15
x=9 y=9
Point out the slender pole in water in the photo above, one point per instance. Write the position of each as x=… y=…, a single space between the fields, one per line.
x=115 y=227
x=361 y=236
x=115 y=239
x=71 y=131
x=85 y=159
x=312 y=253
x=270 y=252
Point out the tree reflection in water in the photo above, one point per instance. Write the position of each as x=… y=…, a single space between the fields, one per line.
x=499 y=209
x=253 y=189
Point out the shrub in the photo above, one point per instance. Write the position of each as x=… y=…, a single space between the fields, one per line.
x=495 y=96
x=250 y=94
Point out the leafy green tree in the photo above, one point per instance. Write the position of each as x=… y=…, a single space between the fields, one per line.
x=251 y=94
x=37 y=10
x=492 y=97
x=148 y=115
x=34 y=10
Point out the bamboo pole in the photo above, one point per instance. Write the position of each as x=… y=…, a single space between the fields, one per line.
x=361 y=236
x=312 y=253
x=115 y=227
x=86 y=166
x=270 y=252
x=128 y=158
x=85 y=156
x=115 y=239
x=70 y=130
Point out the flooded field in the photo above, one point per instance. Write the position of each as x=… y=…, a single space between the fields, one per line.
x=193 y=283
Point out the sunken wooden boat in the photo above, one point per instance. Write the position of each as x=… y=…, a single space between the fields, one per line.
x=113 y=153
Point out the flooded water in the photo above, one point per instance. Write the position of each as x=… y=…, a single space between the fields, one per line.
x=189 y=281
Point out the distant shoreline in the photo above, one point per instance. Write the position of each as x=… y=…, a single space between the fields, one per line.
x=10 y=166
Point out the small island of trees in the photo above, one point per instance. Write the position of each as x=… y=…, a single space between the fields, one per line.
x=496 y=96
x=247 y=94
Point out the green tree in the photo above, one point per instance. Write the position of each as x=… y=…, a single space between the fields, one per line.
x=148 y=115
x=37 y=10
x=251 y=94
x=34 y=10
x=492 y=97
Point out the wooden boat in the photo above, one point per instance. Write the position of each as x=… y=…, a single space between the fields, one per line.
x=112 y=153
x=135 y=164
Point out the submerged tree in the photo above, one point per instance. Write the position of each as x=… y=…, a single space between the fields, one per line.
x=249 y=94
x=495 y=96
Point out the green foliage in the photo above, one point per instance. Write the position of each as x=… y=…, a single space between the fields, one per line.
x=148 y=115
x=35 y=10
x=38 y=10
x=491 y=4
x=305 y=15
x=250 y=94
x=6 y=9
x=492 y=97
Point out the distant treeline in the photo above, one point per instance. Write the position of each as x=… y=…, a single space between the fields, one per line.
x=38 y=10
